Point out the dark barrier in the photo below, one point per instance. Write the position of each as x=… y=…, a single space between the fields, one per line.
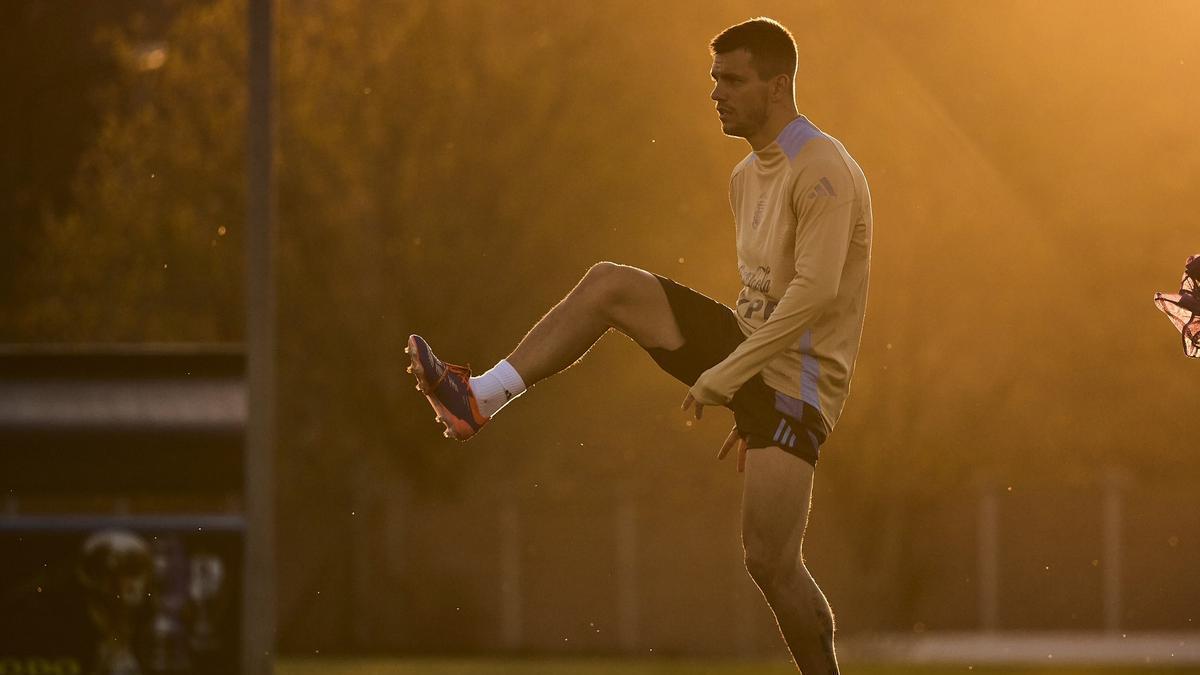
x=92 y=580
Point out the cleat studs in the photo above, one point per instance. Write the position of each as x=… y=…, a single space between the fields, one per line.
x=446 y=433
x=408 y=369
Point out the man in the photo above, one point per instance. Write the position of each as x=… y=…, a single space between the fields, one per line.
x=781 y=361
x=1183 y=308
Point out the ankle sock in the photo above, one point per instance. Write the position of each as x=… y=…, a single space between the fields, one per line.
x=495 y=388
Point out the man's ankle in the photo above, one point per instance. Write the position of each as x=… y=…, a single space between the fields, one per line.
x=495 y=388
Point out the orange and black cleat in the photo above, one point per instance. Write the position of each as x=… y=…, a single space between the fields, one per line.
x=447 y=387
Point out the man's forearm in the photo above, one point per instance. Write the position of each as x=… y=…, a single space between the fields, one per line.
x=802 y=302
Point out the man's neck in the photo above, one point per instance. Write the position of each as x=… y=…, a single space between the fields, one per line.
x=775 y=123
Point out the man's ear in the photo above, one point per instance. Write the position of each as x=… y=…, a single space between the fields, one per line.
x=781 y=87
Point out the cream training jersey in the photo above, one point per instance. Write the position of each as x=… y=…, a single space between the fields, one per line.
x=803 y=221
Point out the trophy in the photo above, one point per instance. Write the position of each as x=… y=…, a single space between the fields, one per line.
x=114 y=571
x=168 y=628
x=206 y=583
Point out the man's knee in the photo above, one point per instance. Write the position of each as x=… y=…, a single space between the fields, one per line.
x=609 y=282
x=766 y=563
x=785 y=581
x=760 y=570
x=604 y=273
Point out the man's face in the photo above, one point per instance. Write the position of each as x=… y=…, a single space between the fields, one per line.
x=740 y=94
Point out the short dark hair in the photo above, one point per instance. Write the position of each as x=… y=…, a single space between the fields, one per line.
x=772 y=47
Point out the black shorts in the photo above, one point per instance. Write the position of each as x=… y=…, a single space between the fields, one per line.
x=765 y=416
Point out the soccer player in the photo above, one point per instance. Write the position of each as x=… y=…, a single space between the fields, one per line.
x=781 y=360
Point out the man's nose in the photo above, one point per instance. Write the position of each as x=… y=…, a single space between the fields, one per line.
x=714 y=95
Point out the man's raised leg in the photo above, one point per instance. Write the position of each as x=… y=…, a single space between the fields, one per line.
x=775 y=502
x=608 y=296
x=626 y=298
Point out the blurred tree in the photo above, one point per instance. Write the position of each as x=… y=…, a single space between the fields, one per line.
x=51 y=114
x=452 y=168
x=144 y=253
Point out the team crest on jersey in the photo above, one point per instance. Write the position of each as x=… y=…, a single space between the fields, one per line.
x=759 y=279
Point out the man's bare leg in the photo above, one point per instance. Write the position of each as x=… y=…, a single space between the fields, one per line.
x=775 y=502
x=609 y=296
x=626 y=298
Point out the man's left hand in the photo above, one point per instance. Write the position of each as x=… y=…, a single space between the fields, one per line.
x=689 y=401
x=703 y=392
x=734 y=440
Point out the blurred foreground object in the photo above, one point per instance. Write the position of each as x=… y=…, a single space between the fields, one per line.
x=122 y=529
x=1183 y=309
x=114 y=572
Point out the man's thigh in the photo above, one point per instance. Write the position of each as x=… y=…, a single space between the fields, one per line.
x=643 y=311
x=776 y=495
x=708 y=328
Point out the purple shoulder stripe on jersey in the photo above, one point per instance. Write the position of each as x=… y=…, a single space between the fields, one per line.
x=795 y=135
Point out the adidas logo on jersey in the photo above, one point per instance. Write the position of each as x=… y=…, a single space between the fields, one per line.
x=823 y=188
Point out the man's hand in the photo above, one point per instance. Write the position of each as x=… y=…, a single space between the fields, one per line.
x=735 y=438
x=689 y=401
x=704 y=392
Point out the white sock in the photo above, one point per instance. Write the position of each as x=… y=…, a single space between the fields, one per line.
x=495 y=388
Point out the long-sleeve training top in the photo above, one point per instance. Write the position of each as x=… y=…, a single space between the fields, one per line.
x=802 y=213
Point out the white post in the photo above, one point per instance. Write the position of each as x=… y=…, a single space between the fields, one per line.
x=395 y=531
x=1111 y=564
x=512 y=630
x=748 y=602
x=627 y=581
x=988 y=536
x=364 y=587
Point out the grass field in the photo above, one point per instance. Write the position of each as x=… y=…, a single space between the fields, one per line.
x=382 y=666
